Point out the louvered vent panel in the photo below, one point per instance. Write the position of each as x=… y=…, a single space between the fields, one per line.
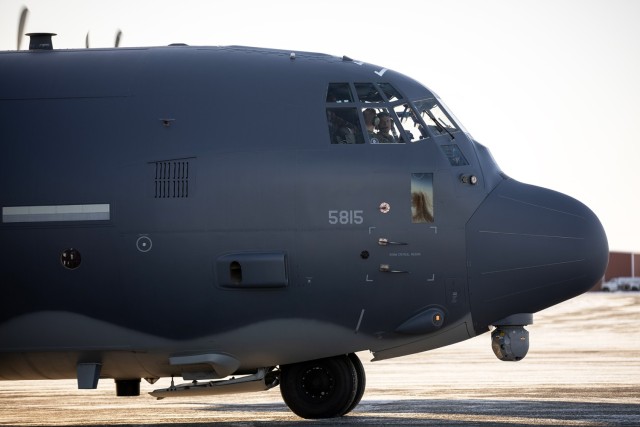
x=172 y=179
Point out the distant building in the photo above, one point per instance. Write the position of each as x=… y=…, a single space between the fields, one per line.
x=621 y=264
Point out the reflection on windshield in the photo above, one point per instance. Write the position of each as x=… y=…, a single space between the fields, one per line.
x=435 y=118
x=410 y=123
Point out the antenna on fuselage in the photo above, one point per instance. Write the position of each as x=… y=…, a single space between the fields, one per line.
x=21 y=24
x=116 y=42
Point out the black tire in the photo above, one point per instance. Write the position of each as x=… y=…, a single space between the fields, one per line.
x=323 y=388
x=361 y=381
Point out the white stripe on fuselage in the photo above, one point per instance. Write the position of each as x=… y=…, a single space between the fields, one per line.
x=94 y=212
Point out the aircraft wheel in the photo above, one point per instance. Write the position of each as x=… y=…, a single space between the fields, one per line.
x=323 y=388
x=361 y=381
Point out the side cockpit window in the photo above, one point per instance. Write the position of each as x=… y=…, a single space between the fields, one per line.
x=435 y=118
x=344 y=126
x=362 y=112
x=342 y=115
x=381 y=126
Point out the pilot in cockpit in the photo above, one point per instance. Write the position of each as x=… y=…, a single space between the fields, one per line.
x=371 y=120
x=342 y=131
x=385 y=126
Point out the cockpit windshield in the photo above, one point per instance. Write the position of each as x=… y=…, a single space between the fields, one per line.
x=434 y=117
x=409 y=121
x=377 y=113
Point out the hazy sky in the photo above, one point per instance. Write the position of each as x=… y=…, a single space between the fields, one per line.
x=552 y=87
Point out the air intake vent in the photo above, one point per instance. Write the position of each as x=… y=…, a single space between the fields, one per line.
x=172 y=179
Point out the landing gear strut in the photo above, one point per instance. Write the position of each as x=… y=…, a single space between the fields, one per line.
x=323 y=388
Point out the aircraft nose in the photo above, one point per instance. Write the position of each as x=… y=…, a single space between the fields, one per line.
x=529 y=248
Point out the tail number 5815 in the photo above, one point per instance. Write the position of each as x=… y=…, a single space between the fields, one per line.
x=346 y=217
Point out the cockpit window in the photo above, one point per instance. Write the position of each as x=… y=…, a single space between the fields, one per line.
x=390 y=92
x=368 y=92
x=454 y=154
x=344 y=126
x=339 y=92
x=435 y=118
x=377 y=113
x=410 y=123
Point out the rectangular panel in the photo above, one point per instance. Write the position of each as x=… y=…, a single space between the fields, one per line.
x=258 y=270
x=97 y=212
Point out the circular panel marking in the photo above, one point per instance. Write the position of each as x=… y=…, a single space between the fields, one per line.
x=144 y=243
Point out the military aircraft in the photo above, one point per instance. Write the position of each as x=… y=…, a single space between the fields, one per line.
x=245 y=218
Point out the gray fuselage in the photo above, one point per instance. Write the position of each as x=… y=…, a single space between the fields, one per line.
x=177 y=201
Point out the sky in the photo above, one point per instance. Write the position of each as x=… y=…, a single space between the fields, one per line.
x=551 y=87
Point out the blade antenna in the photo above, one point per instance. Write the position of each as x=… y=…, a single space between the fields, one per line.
x=21 y=24
x=118 y=38
x=86 y=40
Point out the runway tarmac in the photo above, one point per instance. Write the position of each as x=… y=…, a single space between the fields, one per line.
x=583 y=368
